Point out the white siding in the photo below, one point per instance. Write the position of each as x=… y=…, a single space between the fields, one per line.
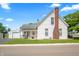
x=47 y=24
x=42 y=26
x=64 y=30
x=14 y=34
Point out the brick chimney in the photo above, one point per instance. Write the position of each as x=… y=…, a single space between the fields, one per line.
x=56 y=24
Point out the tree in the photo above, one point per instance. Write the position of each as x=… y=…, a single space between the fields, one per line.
x=4 y=30
x=73 y=19
x=8 y=29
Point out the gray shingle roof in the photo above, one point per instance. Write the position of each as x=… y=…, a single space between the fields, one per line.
x=29 y=26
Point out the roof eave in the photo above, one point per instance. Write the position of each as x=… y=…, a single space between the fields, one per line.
x=62 y=19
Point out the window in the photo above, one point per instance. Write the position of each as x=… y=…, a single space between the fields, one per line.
x=52 y=20
x=46 y=32
x=33 y=33
x=24 y=32
x=60 y=32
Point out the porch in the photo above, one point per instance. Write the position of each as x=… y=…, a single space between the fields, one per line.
x=30 y=34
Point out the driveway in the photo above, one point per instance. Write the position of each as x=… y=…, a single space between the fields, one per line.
x=43 y=50
x=4 y=40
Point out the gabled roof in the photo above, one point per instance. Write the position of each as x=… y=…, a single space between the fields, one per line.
x=63 y=20
x=45 y=18
x=32 y=26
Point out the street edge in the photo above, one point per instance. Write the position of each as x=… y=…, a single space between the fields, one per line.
x=39 y=44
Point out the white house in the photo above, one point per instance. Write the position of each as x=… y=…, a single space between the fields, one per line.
x=15 y=34
x=51 y=27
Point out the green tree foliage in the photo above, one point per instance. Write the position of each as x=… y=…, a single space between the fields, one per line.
x=3 y=29
x=73 y=19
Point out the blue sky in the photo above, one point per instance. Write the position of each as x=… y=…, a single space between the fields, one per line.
x=13 y=15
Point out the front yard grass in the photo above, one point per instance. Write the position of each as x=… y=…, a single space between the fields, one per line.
x=29 y=41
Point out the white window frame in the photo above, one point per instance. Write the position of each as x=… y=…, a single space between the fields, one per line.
x=46 y=31
x=52 y=20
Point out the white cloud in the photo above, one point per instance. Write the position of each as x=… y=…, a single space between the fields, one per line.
x=9 y=19
x=55 y=5
x=44 y=15
x=73 y=7
x=66 y=9
x=5 y=6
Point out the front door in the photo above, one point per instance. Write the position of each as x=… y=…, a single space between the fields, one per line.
x=28 y=34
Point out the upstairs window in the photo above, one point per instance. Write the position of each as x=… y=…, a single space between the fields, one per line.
x=46 y=32
x=52 y=20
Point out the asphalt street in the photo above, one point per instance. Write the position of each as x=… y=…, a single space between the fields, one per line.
x=4 y=40
x=49 y=50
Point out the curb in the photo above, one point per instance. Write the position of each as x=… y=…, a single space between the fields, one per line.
x=39 y=44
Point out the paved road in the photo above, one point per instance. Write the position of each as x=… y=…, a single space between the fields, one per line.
x=4 y=40
x=49 y=50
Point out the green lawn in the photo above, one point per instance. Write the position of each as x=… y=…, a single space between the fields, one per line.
x=29 y=41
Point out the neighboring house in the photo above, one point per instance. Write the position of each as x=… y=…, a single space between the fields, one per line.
x=77 y=24
x=15 y=34
x=51 y=27
x=74 y=33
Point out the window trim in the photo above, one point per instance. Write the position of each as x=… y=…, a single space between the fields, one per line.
x=52 y=20
x=46 y=31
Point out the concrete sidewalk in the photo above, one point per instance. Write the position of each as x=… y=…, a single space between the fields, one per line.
x=39 y=44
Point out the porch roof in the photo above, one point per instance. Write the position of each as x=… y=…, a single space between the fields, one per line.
x=30 y=26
